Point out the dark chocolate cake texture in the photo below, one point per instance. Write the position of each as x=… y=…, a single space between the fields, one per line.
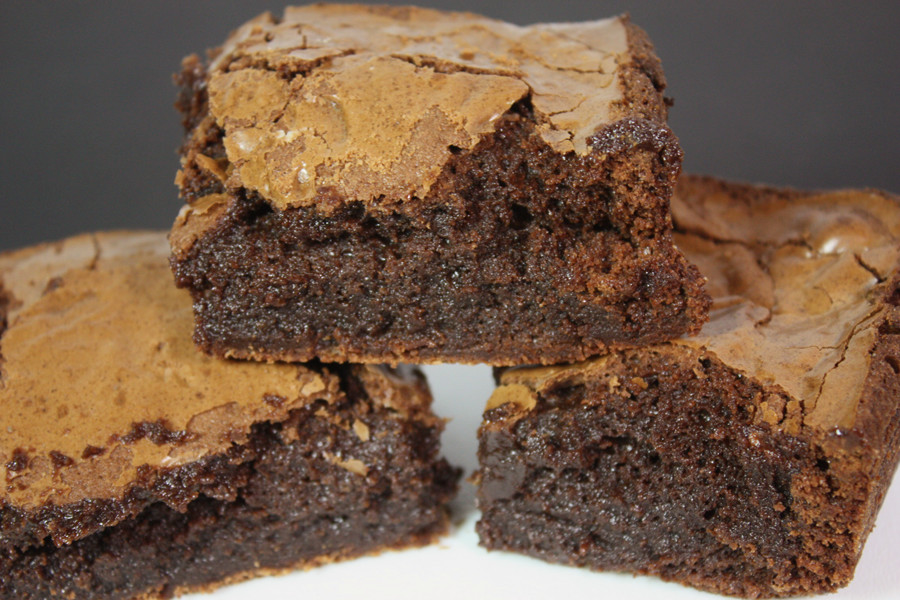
x=750 y=460
x=383 y=184
x=134 y=466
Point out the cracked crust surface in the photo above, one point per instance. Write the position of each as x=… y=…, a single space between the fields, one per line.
x=370 y=103
x=102 y=388
x=799 y=282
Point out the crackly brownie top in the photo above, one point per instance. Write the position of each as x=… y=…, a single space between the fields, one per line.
x=369 y=102
x=99 y=377
x=799 y=283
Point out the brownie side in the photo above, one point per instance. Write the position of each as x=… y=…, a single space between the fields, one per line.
x=198 y=177
x=214 y=476
x=838 y=504
x=648 y=469
x=643 y=79
x=667 y=464
x=332 y=482
x=566 y=257
x=4 y=311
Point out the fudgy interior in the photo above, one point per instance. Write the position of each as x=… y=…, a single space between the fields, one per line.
x=517 y=255
x=282 y=501
x=664 y=469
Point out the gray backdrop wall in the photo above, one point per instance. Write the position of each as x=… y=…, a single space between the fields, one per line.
x=793 y=93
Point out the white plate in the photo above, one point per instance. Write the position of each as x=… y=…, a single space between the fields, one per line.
x=457 y=568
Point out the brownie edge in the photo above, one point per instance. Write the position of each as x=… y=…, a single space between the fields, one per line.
x=296 y=501
x=750 y=460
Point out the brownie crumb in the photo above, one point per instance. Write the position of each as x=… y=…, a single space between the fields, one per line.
x=60 y=460
x=157 y=432
x=534 y=232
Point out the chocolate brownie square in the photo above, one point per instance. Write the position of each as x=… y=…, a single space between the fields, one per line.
x=750 y=460
x=381 y=184
x=134 y=466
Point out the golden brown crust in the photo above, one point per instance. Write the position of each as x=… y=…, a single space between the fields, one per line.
x=194 y=220
x=366 y=102
x=101 y=380
x=799 y=281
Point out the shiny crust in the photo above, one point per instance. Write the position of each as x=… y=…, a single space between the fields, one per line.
x=268 y=84
x=801 y=283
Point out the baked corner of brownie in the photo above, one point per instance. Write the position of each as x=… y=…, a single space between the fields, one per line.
x=380 y=186
x=750 y=460
x=136 y=467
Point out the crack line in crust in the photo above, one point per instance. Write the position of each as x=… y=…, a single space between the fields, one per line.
x=302 y=67
x=448 y=67
x=859 y=259
x=868 y=319
x=764 y=253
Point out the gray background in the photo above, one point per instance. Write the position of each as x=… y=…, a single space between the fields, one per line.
x=794 y=93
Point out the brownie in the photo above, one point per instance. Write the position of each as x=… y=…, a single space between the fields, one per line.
x=382 y=184
x=750 y=460
x=135 y=466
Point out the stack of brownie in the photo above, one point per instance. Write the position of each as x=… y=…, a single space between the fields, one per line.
x=369 y=185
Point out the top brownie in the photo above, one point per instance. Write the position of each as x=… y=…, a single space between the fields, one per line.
x=398 y=184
